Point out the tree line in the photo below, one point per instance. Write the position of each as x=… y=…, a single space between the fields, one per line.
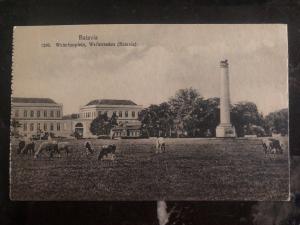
x=188 y=114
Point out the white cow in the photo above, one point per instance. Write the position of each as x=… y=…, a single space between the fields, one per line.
x=160 y=145
x=272 y=146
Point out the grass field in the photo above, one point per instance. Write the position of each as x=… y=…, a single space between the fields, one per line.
x=191 y=169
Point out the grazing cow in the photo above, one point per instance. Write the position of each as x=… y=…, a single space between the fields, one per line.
x=160 y=145
x=276 y=146
x=107 y=150
x=49 y=146
x=64 y=146
x=26 y=146
x=29 y=148
x=272 y=146
x=88 y=148
x=266 y=145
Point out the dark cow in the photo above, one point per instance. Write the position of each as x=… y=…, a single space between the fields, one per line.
x=107 y=149
x=88 y=148
x=275 y=146
x=29 y=148
x=21 y=146
x=49 y=146
x=26 y=147
x=64 y=146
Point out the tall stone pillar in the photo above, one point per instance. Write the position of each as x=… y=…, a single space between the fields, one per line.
x=225 y=128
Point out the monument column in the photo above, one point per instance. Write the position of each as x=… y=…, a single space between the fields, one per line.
x=225 y=128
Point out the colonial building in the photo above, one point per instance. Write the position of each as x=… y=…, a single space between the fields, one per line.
x=126 y=111
x=36 y=115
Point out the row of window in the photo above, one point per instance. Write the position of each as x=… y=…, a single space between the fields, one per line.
x=119 y=114
x=41 y=127
x=38 y=113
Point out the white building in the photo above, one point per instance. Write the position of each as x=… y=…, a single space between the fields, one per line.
x=36 y=115
x=126 y=111
x=40 y=115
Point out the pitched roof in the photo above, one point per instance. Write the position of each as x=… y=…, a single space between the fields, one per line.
x=32 y=100
x=110 y=102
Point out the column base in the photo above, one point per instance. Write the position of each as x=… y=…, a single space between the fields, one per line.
x=225 y=130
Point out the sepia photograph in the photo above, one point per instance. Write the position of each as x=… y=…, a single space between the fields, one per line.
x=190 y=112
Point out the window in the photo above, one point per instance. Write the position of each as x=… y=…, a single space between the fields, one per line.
x=31 y=127
x=25 y=113
x=126 y=113
x=99 y=113
x=51 y=126
x=58 y=114
x=45 y=113
x=51 y=113
x=45 y=126
x=31 y=113
x=38 y=126
x=38 y=113
x=17 y=113
x=58 y=126
x=133 y=114
x=120 y=113
x=25 y=127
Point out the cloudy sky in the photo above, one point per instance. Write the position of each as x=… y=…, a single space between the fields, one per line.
x=165 y=59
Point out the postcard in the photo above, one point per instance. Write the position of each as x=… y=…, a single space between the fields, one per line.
x=164 y=112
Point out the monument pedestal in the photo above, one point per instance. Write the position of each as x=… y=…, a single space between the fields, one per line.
x=225 y=130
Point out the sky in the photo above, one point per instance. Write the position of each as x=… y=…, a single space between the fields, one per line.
x=166 y=58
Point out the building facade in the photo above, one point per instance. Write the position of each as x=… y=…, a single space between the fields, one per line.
x=36 y=115
x=126 y=112
x=40 y=115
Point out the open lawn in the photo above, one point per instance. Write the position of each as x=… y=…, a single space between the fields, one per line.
x=190 y=169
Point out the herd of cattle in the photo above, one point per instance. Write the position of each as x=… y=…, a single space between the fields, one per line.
x=51 y=147
x=107 y=152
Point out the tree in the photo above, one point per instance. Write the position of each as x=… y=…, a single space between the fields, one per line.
x=102 y=124
x=165 y=120
x=15 y=125
x=278 y=121
x=210 y=116
x=184 y=106
x=244 y=115
x=157 y=120
x=113 y=120
x=149 y=118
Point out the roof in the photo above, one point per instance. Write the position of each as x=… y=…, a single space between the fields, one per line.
x=110 y=102
x=32 y=100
